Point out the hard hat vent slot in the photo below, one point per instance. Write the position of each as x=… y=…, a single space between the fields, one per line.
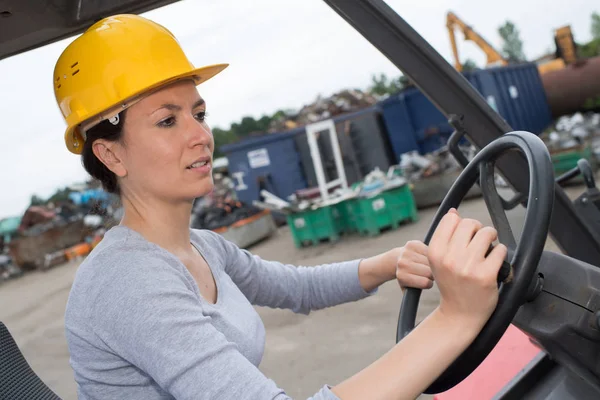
x=74 y=65
x=59 y=86
x=75 y=73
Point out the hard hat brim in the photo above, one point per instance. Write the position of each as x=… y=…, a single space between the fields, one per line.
x=73 y=138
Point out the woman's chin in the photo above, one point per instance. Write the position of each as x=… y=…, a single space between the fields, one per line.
x=203 y=188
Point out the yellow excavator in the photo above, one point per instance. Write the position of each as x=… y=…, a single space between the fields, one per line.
x=566 y=51
x=494 y=58
x=563 y=37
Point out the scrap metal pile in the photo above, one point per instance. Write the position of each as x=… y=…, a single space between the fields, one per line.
x=51 y=234
x=301 y=200
x=7 y=268
x=220 y=208
x=325 y=107
x=415 y=166
x=377 y=181
x=433 y=174
x=575 y=130
x=220 y=211
x=48 y=237
x=222 y=214
x=573 y=138
x=374 y=183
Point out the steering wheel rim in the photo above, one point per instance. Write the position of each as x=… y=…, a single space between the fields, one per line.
x=525 y=257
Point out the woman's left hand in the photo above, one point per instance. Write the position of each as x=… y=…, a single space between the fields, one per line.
x=409 y=265
x=412 y=266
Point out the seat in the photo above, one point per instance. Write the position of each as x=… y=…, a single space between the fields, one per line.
x=17 y=379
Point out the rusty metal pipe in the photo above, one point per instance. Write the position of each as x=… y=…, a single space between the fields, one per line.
x=574 y=88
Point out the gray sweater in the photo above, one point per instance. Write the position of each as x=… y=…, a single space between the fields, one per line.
x=138 y=328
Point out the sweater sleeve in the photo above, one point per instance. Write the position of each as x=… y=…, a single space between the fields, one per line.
x=153 y=320
x=298 y=288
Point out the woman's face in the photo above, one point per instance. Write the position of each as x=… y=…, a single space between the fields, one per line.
x=168 y=146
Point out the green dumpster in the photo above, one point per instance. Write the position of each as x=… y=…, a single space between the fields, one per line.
x=313 y=226
x=386 y=209
x=565 y=160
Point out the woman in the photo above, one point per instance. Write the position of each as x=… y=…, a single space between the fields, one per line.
x=159 y=311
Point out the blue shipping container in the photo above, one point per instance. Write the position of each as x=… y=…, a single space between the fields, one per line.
x=282 y=163
x=515 y=92
x=364 y=146
x=414 y=124
x=269 y=162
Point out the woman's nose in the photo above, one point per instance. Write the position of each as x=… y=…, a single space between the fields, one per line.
x=199 y=133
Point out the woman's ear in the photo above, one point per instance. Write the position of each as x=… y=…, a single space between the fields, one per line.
x=108 y=154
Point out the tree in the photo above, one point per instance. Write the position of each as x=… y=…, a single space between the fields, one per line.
x=222 y=137
x=382 y=86
x=513 y=45
x=596 y=25
x=60 y=195
x=36 y=200
x=379 y=85
x=404 y=81
x=281 y=114
x=590 y=49
x=469 y=65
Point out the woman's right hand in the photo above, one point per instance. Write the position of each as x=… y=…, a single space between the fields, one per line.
x=469 y=293
x=466 y=278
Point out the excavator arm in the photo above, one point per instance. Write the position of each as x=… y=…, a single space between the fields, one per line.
x=493 y=56
x=457 y=63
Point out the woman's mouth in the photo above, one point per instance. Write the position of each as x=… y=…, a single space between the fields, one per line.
x=198 y=164
x=202 y=167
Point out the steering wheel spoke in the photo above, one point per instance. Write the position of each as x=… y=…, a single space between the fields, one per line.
x=494 y=204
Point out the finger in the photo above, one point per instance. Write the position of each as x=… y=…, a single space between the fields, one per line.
x=464 y=233
x=496 y=258
x=417 y=246
x=419 y=259
x=417 y=282
x=409 y=255
x=417 y=269
x=444 y=231
x=482 y=241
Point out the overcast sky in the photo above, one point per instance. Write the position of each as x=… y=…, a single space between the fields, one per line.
x=277 y=51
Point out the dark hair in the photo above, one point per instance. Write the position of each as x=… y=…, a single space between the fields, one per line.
x=107 y=131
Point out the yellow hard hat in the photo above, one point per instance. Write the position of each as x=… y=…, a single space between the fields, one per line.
x=111 y=65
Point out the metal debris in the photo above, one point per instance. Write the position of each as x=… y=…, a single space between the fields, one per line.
x=415 y=166
x=374 y=183
x=8 y=269
x=324 y=108
x=574 y=130
x=222 y=214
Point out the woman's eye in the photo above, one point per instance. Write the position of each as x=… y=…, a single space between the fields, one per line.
x=201 y=116
x=166 y=123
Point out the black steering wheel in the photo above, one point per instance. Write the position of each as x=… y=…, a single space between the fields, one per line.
x=525 y=254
